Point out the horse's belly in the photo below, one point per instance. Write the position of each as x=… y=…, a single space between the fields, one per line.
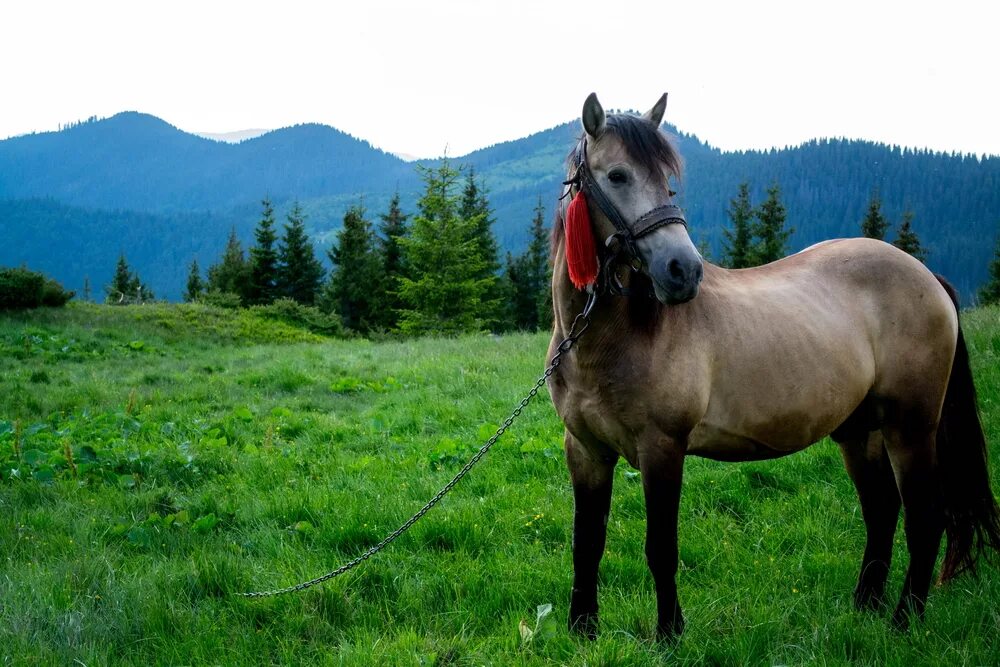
x=722 y=445
x=765 y=429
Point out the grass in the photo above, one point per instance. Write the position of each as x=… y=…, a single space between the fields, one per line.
x=168 y=457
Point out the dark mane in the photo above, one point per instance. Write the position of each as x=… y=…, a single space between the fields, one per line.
x=644 y=143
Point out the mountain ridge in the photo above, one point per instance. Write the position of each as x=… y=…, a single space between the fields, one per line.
x=137 y=167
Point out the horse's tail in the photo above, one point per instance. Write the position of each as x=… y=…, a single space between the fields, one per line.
x=972 y=517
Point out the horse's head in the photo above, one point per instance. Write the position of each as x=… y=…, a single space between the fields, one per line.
x=622 y=164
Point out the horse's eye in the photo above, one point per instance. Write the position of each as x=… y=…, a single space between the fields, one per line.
x=617 y=176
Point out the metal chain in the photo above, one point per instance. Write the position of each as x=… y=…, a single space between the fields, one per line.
x=583 y=319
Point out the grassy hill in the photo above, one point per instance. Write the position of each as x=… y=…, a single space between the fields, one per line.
x=213 y=455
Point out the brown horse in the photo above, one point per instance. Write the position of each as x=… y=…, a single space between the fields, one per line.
x=850 y=338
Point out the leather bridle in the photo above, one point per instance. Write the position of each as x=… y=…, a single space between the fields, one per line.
x=621 y=244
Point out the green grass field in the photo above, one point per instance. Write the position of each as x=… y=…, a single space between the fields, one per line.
x=156 y=460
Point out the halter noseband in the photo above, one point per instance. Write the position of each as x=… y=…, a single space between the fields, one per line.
x=623 y=241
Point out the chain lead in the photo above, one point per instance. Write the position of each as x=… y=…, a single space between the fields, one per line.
x=583 y=321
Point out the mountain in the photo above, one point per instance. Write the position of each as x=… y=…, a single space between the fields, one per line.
x=232 y=137
x=70 y=201
x=138 y=162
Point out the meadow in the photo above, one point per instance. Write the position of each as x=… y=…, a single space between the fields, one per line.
x=157 y=460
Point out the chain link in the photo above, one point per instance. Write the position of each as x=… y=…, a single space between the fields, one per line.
x=583 y=321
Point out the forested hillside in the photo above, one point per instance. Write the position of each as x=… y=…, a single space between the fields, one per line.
x=70 y=201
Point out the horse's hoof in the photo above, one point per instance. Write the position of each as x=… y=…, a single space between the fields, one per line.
x=669 y=633
x=584 y=625
x=869 y=600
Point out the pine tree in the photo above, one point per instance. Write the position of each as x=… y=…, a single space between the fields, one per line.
x=352 y=288
x=300 y=274
x=126 y=287
x=444 y=288
x=232 y=274
x=262 y=284
x=121 y=283
x=475 y=209
x=392 y=228
x=771 y=237
x=513 y=293
x=737 y=243
x=195 y=285
x=540 y=269
x=989 y=294
x=528 y=280
x=875 y=225
x=906 y=239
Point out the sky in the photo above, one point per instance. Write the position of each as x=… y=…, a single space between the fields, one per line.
x=427 y=77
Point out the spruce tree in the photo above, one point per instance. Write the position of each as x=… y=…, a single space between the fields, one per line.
x=540 y=269
x=907 y=240
x=528 y=281
x=195 y=285
x=771 y=237
x=989 y=294
x=121 y=283
x=262 y=283
x=514 y=294
x=126 y=287
x=475 y=210
x=392 y=228
x=353 y=288
x=300 y=274
x=444 y=289
x=737 y=243
x=875 y=225
x=232 y=274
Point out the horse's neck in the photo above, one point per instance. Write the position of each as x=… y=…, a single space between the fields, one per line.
x=609 y=332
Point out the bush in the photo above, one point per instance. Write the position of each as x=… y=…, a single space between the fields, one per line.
x=21 y=288
x=294 y=313
x=53 y=294
x=220 y=299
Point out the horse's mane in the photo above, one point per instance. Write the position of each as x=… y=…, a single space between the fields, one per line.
x=654 y=150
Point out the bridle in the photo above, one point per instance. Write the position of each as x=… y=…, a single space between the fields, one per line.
x=622 y=244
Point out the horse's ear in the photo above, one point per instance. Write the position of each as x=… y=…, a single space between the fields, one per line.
x=593 y=116
x=655 y=115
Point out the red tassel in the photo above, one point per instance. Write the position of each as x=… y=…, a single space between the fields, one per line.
x=581 y=253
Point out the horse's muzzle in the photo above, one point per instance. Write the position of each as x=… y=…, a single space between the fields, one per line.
x=676 y=280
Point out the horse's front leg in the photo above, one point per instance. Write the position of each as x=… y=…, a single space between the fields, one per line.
x=661 y=463
x=592 y=474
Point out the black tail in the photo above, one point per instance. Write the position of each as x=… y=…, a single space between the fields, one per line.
x=973 y=519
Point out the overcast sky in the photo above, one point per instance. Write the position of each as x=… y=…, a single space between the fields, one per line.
x=422 y=77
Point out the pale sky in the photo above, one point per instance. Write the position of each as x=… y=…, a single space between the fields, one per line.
x=422 y=77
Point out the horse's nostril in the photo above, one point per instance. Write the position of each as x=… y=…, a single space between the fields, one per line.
x=675 y=269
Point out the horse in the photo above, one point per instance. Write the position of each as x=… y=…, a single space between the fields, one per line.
x=850 y=338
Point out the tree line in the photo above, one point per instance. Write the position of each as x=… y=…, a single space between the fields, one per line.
x=758 y=234
x=438 y=270
x=435 y=271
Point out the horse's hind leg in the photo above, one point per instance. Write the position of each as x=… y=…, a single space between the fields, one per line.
x=868 y=465
x=592 y=476
x=913 y=460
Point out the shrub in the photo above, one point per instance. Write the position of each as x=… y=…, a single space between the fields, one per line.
x=220 y=299
x=21 y=288
x=54 y=295
x=294 y=313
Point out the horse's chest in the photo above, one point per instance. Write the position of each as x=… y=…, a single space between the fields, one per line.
x=602 y=412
